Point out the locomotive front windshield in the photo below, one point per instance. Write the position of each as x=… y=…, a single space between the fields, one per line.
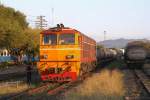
x=65 y=39
x=50 y=39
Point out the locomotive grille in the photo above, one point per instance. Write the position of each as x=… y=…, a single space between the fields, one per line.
x=51 y=70
x=55 y=70
x=59 y=70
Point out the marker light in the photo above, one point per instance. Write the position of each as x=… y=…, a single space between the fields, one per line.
x=69 y=57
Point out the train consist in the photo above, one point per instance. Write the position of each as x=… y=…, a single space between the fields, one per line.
x=135 y=55
x=108 y=54
x=65 y=54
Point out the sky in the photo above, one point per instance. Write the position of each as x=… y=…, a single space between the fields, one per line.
x=119 y=18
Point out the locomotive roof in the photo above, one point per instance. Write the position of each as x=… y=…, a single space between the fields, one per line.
x=60 y=29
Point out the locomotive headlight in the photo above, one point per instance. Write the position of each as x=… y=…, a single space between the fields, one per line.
x=69 y=56
x=45 y=56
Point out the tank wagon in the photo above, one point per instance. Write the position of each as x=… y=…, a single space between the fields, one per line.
x=65 y=54
x=105 y=54
x=120 y=53
x=135 y=55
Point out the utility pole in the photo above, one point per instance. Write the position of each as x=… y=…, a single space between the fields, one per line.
x=41 y=22
x=52 y=16
x=104 y=35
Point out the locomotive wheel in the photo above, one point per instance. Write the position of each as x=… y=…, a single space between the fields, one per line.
x=94 y=65
x=80 y=74
x=85 y=68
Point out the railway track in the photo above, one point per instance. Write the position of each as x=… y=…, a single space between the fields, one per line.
x=44 y=88
x=27 y=92
x=144 y=80
x=138 y=85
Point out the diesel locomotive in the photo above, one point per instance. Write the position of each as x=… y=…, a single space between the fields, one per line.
x=65 y=54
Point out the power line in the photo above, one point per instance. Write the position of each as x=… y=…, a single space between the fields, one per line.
x=41 y=22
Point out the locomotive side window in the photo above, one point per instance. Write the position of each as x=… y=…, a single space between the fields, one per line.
x=66 y=39
x=50 y=39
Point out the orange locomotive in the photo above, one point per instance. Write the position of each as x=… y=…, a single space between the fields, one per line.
x=65 y=54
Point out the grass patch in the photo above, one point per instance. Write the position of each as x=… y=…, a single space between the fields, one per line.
x=107 y=85
x=11 y=89
x=116 y=64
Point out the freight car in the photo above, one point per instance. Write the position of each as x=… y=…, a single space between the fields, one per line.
x=135 y=55
x=120 y=53
x=65 y=54
x=105 y=55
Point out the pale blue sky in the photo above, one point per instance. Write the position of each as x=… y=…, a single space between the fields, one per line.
x=120 y=18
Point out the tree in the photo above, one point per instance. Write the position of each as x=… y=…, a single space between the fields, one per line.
x=16 y=36
x=32 y=40
x=12 y=26
x=99 y=46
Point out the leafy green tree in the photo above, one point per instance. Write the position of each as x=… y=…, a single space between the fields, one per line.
x=16 y=36
x=99 y=46
x=32 y=40
x=12 y=26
